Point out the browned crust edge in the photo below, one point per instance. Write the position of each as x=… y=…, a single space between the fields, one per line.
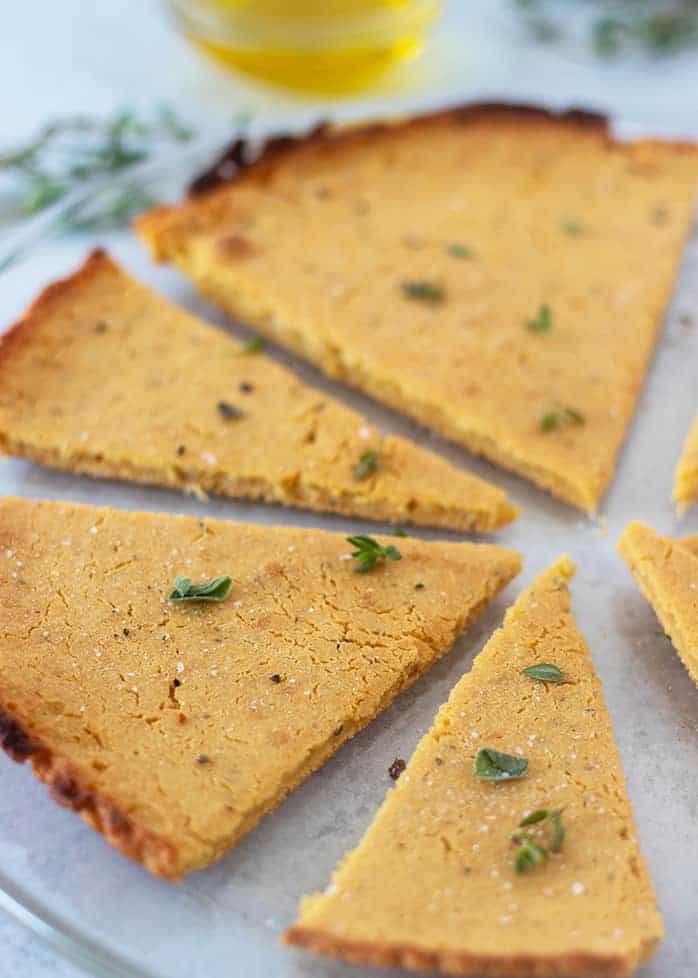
x=240 y=155
x=67 y=785
x=572 y=965
x=97 y=261
x=243 y=159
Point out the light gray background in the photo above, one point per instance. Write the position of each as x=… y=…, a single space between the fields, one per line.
x=59 y=56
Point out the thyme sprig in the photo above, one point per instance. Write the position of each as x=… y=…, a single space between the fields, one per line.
x=368 y=552
x=535 y=845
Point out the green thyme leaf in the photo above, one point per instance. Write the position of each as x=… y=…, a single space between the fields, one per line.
x=528 y=855
x=255 y=344
x=539 y=815
x=543 y=323
x=571 y=414
x=544 y=672
x=533 y=848
x=558 y=416
x=457 y=250
x=368 y=463
x=572 y=227
x=216 y=589
x=112 y=207
x=229 y=412
x=41 y=191
x=423 y=291
x=368 y=552
x=492 y=765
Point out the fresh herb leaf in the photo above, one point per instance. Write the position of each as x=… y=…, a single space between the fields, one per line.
x=368 y=463
x=41 y=191
x=572 y=227
x=423 y=291
x=255 y=344
x=369 y=552
x=528 y=855
x=560 y=416
x=457 y=250
x=544 y=672
x=171 y=123
x=110 y=208
x=543 y=322
x=535 y=846
x=229 y=412
x=571 y=414
x=492 y=765
x=606 y=35
x=216 y=589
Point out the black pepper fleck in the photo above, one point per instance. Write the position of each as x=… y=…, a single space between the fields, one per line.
x=246 y=387
x=418 y=587
x=176 y=683
x=203 y=759
x=126 y=632
x=181 y=449
x=276 y=678
x=228 y=411
x=396 y=768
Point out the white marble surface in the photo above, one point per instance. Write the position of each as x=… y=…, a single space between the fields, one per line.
x=59 y=56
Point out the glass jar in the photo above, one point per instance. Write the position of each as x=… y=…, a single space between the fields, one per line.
x=334 y=46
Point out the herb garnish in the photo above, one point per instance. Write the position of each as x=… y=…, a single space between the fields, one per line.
x=216 y=589
x=572 y=227
x=229 y=412
x=255 y=344
x=660 y=28
x=369 y=552
x=457 y=250
x=492 y=765
x=534 y=847
x=71 y=150
x=544 y=672
x=559 y=416
x=543 y=322
x=367 y=464
x=423 y=291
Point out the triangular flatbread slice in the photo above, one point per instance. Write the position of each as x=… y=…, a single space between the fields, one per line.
x=666 y=571
x=498 y=273
x=173 y=727
x=432 y=884
x=103 y=376
x=686 y=475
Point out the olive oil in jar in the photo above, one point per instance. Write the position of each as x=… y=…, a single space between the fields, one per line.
x=331 y=46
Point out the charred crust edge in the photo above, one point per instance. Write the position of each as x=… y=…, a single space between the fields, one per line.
x=66 y=786
x=241 y=155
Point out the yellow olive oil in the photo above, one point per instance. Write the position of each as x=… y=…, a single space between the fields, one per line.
x=332 y=46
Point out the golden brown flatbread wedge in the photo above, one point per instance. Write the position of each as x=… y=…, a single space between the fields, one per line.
x=434 y=882
x=105 y=377
x=173 y=727
x=666 y=571
x=686 y=475
x=498 y=273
